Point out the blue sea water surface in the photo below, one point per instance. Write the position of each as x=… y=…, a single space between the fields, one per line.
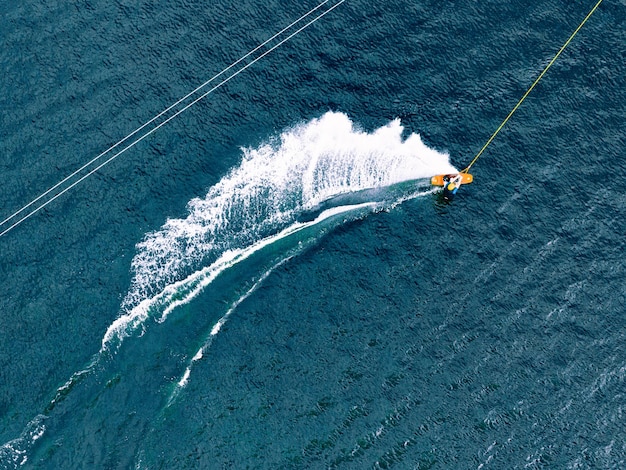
x=268 y=280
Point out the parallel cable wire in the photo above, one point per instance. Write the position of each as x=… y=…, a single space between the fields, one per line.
x=57 y=195
x=160 y=114
x=532 y=86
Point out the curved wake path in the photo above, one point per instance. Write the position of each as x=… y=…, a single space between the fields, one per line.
x=282 y=198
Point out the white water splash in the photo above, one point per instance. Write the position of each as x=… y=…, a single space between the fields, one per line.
x=274 y=184
x=14 y=453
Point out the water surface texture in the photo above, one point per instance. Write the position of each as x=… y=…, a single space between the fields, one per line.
x=268 y=280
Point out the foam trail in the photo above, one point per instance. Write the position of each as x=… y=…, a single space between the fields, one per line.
x=183 y=291
x=15 y=453
x=182 y=383
x=274 y=184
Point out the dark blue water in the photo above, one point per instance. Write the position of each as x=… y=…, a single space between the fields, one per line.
x=268 y=281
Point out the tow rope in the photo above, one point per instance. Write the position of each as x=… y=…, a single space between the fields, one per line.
x=531 y=87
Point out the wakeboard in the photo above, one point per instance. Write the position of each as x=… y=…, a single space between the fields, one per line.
x=437 y=180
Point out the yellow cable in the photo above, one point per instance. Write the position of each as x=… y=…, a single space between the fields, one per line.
x=532 y=86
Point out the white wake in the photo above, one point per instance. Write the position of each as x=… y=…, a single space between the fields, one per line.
x=273 y=185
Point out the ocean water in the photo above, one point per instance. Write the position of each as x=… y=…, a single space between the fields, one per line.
x=267 y=280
